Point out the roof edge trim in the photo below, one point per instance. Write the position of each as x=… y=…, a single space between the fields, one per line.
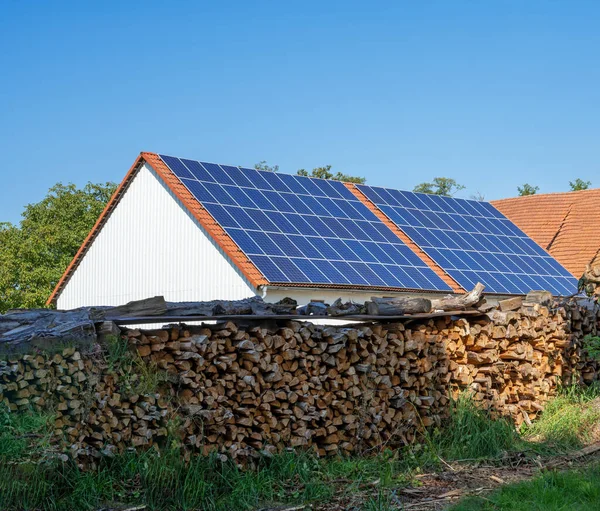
x=106 y=212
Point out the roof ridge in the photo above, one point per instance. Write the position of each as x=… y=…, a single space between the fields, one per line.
x=549 y=194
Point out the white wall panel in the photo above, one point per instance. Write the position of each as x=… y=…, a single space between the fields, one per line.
x=150 y=245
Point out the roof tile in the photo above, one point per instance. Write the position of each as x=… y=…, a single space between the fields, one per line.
x=565 y=224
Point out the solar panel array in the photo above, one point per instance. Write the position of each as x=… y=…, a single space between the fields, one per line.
x=472 y=241
x=303 y=230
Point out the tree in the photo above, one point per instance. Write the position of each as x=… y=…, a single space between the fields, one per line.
x=34 y=255
x=579 y=184
x=325 y=173
x=262 y=165
x=441 y=186
x=527 y=189
x=478 y=196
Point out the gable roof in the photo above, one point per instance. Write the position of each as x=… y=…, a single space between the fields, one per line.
x=565 y=224
x=219 y=235
x=418 y=256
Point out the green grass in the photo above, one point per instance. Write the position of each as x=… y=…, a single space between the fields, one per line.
x=30 y=478
x=134 y=376
x=576 y=490
x=471 y=433
x=569 y=420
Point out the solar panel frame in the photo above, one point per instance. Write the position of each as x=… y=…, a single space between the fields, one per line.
x=471 y=241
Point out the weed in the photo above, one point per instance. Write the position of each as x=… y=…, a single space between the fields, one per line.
x=472 y=433
x=591 y=345
x=569 y=420
x=135 y=376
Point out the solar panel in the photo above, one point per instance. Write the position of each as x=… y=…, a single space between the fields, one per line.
x=472 y=241
x=303 y=230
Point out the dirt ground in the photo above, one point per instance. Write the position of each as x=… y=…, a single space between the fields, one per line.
x=437 y=491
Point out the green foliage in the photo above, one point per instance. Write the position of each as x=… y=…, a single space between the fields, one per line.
x=527 y=189
x=576 y=490
x=23 y=434
x=472 y=433
x=34 y=254
x=262 y=165
x=569 y=420
x=579 y=184
x=167 y=482
x=325 y=173
x=441 y=186
x=591 y=345
x=134 y=375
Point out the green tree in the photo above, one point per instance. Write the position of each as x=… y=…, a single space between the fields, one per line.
x=527 y=189
x=262 y=165
x=441 y=186
x=579 y=184
x=325 y=173
x=34 y=254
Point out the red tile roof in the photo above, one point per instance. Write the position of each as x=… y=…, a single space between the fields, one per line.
x=566 y=224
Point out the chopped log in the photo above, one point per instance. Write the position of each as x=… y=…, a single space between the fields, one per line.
x=458 y=302
x=397 y=306
x=539 y=297
x=510 y=304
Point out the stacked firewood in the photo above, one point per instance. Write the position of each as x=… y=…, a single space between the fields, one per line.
x=514 y=361
x=267 y=387
x=264 y=385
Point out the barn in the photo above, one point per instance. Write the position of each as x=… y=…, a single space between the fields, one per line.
x=195 y=231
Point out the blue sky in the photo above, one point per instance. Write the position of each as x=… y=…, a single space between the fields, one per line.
x=492 y=94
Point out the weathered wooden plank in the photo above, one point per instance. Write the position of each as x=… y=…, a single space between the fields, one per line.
x=458 y=302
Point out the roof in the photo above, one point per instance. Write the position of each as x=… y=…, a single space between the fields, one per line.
x=565 y=224
x=218 y=234
x=444 y=270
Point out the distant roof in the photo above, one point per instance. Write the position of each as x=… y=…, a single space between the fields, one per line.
x=566 y=224
x=292 y=231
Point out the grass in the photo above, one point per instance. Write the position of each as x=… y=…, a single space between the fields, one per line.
x=133 y=374
x=576 y=490
x=32 y=479
x=29 y=479
x=472 y=433
x=569 y=421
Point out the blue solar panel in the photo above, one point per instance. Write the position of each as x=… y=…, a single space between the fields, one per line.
x=472 y=241
x=303 y=230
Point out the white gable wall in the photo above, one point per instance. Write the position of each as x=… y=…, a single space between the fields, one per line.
x=151 y=245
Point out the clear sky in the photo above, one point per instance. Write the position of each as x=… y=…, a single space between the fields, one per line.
x=491 y=93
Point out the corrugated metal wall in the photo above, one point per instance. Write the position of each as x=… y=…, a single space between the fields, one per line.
x=151 y=246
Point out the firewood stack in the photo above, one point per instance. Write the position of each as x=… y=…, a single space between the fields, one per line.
x=513 y=361
x=261 y=385
x=268 y=386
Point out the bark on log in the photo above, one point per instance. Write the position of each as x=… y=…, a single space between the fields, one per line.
x=397 y=306
x=338 y=308
x=155 y=306
x=458 y=302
